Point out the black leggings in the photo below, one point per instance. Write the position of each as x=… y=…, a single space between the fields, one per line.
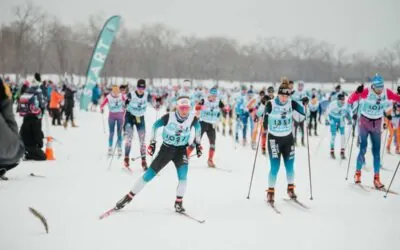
x=313 y=118
x=210 y=130
x=56 y=116
x=166 y=154
x=296 y=126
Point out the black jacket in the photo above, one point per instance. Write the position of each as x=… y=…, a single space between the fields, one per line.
x=11 y=147
x=31 y=132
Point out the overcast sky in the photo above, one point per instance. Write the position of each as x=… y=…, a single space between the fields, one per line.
x=366 y=25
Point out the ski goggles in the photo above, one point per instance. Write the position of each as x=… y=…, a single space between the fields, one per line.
x=183 y=103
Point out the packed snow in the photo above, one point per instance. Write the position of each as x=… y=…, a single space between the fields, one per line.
x=77 y=187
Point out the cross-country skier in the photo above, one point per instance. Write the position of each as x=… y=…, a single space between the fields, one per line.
x=315 y=111
x=279 y=120
x=136 y=105
x=298 y=119
x=116 y=112
x=337 y=112
x=209 y=116
x=177 y=129
x=227 y=113
x=394 y=128
x=373 y=102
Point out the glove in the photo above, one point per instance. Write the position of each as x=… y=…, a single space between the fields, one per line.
x=327 y=123
x=199 y=149
x=38 y=77
x=355 y=117
x=256 y=119
x=398 y=90
x=4 y=91
x=151 y=148
x=349 y=122
x=305 y=100
x=360 y=89
x=389 y=117
x=102 y=111
x=384 y=126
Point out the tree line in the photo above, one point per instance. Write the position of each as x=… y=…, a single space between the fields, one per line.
x=35 y=41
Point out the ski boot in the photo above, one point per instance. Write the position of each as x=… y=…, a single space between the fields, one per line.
x=253 y=145
x=244 y=142
x=178 y=206
x=74 y=124
x=223 y=132
x=110 y=152
x=3 y=171
x=290 y=191
x=263 y=151
x=333 y=153
x=342 y=156
x=357 y=177
x=271 y=195
x=65 y=124
x=126 y=161
x=211 y=163
x=302 y=141
x=230 y=132
x=119 y=152
x=315 y=133
x=237 y=138
x=377 y=182
x=144 y=165
x=124 y=201
x=309 y=133
x=398 y=150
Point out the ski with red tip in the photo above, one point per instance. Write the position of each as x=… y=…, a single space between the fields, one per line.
x=108 y=213
x=381 y=189
x=296 y=201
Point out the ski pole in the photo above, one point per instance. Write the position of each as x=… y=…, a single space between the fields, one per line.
x=384 y=145
x=387 y=191
x=352 y=141
x=112 y=156
x=255 y=160
x=309 y=160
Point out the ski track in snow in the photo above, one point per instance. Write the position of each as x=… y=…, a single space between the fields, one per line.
x=77 y=188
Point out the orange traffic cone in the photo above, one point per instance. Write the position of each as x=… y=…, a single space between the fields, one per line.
x=49 y=149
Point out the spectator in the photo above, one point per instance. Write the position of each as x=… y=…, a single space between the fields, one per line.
x=96 y=94
x=11 y=147
x=55 y=105
x=69 y=104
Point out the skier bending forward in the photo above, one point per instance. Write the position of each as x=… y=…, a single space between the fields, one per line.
x=176 y=134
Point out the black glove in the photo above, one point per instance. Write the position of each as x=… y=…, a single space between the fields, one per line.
x=38 y=77
x=151 y=148
x=199 y=149
x=360 y=89
x=256 y=119
x=398 y=90
x=3 y=93
x=305 y=100
x=355 y=117
x=384 y=126
x=389 y=117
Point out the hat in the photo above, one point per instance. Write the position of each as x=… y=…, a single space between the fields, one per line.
x=340 y=97
x=213 y=91
x=141 y=83
x=250 y=92
x=283 y=90
x=377 y=82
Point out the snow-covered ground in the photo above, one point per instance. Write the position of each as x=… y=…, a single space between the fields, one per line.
x=77 y=188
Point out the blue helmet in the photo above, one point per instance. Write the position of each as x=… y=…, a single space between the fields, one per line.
x=213 y=91
x=377 y=81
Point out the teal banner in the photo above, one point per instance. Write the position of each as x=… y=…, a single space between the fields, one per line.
x=99 y=56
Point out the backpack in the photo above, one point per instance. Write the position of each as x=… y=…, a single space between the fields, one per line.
x=28 y=104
